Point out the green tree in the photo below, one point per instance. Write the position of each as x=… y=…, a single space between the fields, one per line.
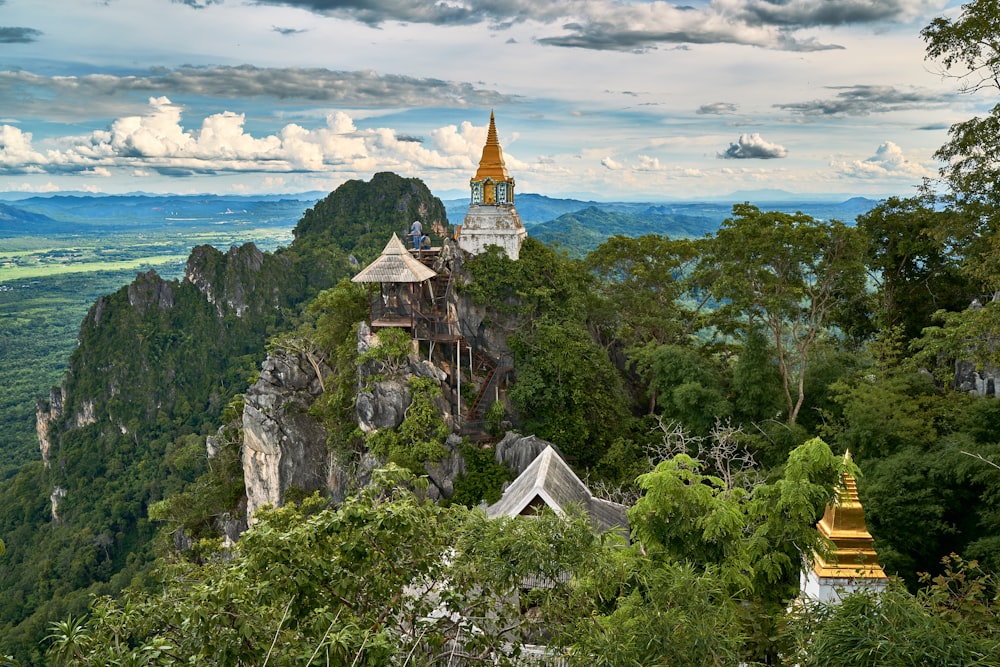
x=951 y=621
x=968 y=48
x=566 y=389
x=753 y=535
x=683 y=385
x=913 y=257
x=787 y=274
x=645 y=278
x=756 y=383
x=385 y=578
x=635 y=611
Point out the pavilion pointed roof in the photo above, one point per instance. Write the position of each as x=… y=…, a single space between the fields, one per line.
x=491 y=165
x=549 y=481
x=394 y=265
x=853 y=553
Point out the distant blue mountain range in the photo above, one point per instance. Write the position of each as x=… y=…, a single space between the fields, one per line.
x=89 y=214
x=573 y=223
x=580 y=226
x=537 y=209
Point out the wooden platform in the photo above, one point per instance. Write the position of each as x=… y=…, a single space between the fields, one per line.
x=388 y=321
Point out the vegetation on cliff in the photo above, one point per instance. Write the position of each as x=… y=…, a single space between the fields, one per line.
x=157 y=363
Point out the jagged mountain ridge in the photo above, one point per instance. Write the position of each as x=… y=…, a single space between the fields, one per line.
x=157 y=363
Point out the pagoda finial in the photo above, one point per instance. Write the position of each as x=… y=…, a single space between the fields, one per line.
x=491 y=165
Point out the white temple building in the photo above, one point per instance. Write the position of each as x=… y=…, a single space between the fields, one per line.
x=492 y=218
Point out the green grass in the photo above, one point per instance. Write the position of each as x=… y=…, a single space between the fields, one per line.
x=56 y=269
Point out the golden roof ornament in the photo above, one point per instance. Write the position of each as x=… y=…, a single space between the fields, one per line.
x=853 y=554
x=491 y=165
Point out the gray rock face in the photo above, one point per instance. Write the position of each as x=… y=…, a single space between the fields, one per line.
x=442 y=474
x=148 y=290
x=517 y=451
x=48 y=414
x=233 y=282
x=346 y=478
x=982 y=382
x=383 y=404
x=283 y=446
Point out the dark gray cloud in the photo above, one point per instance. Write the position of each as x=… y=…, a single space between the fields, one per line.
x=807 y=13
x=935 y=126
x=288 y=31
x=12 y=35
x=863 y=100
x=717 y=108
x=197 y=4
x=753 y=146
x=376 y=12
x=101 y=95
x=614 y=38
x=612 y=26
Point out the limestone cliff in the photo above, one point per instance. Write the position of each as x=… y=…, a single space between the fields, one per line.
x=239 y=280
x=283 y=446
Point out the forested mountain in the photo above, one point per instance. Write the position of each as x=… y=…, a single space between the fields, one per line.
x=158 y=362
x=14 y=220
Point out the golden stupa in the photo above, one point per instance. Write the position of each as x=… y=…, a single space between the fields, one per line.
x=853 y=553
x=491 y=165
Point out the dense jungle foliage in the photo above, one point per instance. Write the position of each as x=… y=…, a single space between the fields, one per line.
x=713 y=385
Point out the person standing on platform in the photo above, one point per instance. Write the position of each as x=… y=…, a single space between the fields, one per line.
x=416 y=231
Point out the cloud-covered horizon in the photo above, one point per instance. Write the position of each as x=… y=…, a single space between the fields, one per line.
x=888 y=161
x=25 y=90
x=593 y=96
x=603 y=25
x=158 y=141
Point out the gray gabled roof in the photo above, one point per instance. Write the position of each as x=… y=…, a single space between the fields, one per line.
x=550 y=480
x=394 y=265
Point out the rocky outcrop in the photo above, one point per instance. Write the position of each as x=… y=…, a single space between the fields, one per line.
x=384 y=393
x=149 y=290
x=234 y=282
x=443 y=474
x=517 y=451
x=58 y=493
x=283 y=446
x=484 y=333
x=978 y=382
x=47 y=415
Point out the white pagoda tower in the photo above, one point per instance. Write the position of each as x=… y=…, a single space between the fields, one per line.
x=492 y=218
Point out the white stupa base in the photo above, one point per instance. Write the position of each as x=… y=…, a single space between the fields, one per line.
x=833 y=589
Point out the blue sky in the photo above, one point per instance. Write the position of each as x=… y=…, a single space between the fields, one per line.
x=610 y=99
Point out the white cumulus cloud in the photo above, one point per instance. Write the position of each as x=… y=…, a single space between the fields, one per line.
x=753 y=146
x=158 y=141
x=888 y=161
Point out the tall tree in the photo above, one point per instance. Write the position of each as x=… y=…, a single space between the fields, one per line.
x=968 y=49
x=787 y=274
x=752 y=535
x=913 y=257
x=386 y=578
x=644 y=277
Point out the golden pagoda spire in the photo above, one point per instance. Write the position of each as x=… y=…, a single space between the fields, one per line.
x=853 y=554
x=491 y=165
